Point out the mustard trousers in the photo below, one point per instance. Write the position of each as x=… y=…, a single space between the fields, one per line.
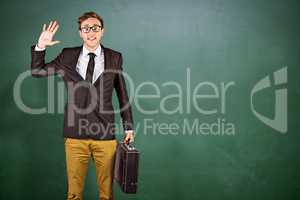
x=78 y=154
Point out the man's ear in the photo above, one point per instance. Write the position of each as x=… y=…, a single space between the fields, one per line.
x=79 y=33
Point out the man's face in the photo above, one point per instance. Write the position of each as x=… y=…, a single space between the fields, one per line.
x=92 y=38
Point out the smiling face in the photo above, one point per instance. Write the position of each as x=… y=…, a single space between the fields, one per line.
x=92 y=39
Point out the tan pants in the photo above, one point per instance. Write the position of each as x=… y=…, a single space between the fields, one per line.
x=78 y=153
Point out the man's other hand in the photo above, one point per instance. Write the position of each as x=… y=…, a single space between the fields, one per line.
x=129 y=137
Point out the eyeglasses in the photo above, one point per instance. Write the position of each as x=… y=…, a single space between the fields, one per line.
x=87 y=29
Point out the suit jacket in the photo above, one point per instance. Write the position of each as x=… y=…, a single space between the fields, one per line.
x=99 y=122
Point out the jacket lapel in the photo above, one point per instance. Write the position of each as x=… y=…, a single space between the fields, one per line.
x=106 y=58
x=74 y=61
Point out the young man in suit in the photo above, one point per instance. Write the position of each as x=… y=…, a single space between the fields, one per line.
x=91 y=72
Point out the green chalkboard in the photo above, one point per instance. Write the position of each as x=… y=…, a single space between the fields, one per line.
x=219 y=116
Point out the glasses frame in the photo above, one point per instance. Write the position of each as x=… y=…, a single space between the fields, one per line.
x=89 y=28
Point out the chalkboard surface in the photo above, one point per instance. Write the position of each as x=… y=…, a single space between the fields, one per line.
x=222 y=121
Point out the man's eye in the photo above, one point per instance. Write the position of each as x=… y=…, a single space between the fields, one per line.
x=96 y=28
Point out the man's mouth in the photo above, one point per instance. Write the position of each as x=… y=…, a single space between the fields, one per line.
x=91 y=38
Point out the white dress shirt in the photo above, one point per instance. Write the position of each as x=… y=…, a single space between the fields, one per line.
x=83 y=61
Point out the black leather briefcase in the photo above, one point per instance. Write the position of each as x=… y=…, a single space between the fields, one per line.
x=126 y=167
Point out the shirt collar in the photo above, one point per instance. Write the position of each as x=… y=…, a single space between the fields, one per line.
x=85 y=51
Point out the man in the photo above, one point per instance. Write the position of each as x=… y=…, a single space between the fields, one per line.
x=90 y=73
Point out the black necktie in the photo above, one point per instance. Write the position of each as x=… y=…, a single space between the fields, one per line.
x=90 y=68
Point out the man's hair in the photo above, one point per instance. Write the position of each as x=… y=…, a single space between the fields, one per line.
x=87 y=15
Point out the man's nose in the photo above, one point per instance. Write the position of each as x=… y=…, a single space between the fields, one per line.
x=91 y=34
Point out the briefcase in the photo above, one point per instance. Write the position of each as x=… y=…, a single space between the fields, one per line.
x=126 y=167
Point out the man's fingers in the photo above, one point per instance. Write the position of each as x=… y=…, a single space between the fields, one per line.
x=54 y=42
x=129 y=138
x=126 y=140
x=49 y=26
x=56 y=28
x=53 y=26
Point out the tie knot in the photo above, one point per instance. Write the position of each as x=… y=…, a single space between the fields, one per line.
x=92 y=55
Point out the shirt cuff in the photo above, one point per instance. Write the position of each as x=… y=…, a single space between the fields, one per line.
x=129 y=131
x=38 y=48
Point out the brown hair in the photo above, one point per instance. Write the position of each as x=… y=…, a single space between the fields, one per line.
x=87 y=15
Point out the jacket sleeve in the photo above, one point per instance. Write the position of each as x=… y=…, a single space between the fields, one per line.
x=41 y=69
x=125 y=107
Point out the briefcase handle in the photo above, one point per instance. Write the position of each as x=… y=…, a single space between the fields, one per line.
x=129 y=146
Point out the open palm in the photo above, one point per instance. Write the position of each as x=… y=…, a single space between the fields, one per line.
x=46 y=37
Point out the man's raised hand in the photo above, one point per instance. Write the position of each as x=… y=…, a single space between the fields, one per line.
x=47 y=35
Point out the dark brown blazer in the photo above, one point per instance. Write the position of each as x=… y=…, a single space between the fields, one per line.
x=99 y=123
